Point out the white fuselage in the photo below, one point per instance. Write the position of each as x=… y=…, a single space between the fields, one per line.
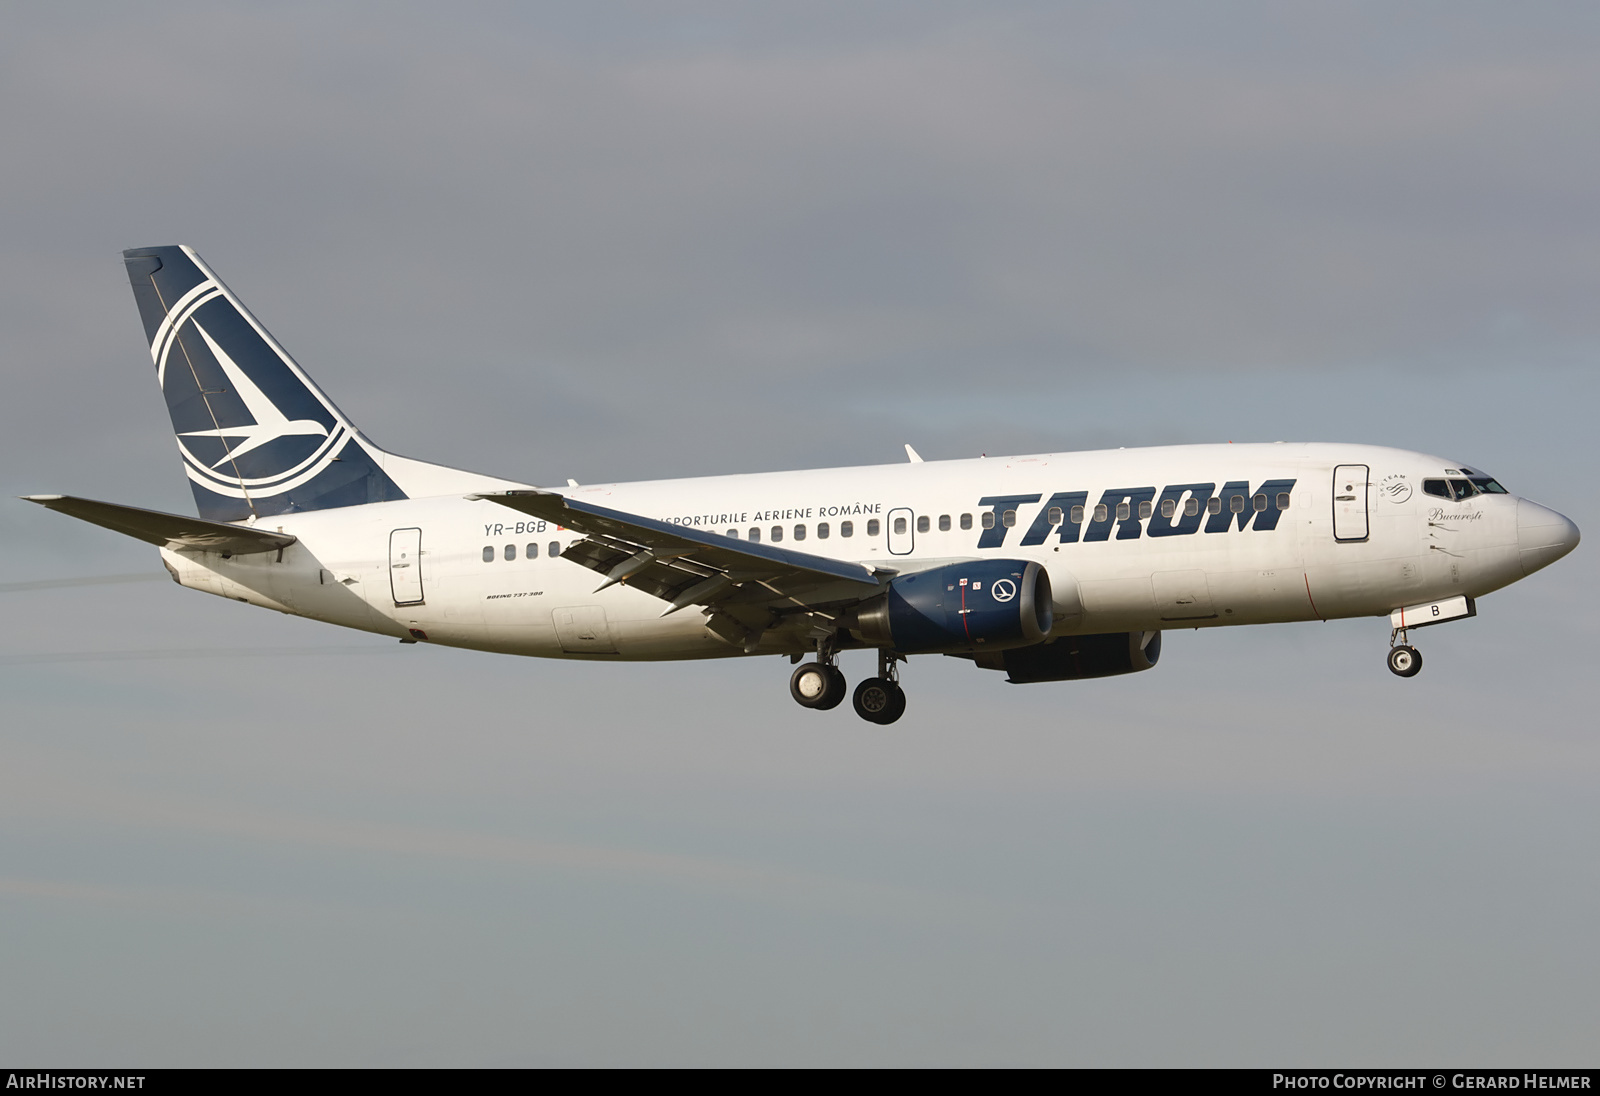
x=1364 y=545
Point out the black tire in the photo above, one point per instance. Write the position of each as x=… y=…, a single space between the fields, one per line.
x=898 y=707
x=1405 y=661
x=838 y=688
x=810 y=685
x=879 y=701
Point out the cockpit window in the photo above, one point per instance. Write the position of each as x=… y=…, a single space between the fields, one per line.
x=1462 y=488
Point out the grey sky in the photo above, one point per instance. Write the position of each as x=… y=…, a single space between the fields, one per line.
x=620 y=241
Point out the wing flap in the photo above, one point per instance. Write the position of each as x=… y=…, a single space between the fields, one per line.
x=658 y=578
x=166 y=530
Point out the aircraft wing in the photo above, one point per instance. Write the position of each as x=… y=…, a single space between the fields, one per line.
x=166 y=530
x=747 y=586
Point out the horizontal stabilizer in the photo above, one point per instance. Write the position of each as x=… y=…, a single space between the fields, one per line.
x=166 y=530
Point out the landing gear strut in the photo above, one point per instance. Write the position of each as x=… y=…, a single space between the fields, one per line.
x=1404 y=659
x=819 y=684
x=880 y=699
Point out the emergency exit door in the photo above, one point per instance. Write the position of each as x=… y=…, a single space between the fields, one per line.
x=405 y=566
x=901 y=537
x=1350 y=502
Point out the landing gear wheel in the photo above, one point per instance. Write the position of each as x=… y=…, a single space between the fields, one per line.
x=838 y=688
x=814 y=685
x=878 y=700
x=1405 y=661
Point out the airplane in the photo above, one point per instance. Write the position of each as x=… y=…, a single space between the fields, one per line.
x=1047 y=567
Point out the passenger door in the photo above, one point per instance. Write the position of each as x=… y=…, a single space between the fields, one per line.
x=405 y=566
x=1350 y=502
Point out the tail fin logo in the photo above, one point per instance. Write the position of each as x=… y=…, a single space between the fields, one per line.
x=248 y=423
x=270 y=424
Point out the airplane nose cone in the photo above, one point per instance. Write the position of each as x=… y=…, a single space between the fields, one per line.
x=1543 y=536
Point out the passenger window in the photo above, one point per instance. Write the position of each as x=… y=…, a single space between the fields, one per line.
x=1169 y=507
x=555 y=548
x=944 y=523
x=1191 y=506
x=734 y=533
x=1437 y=488
x=1053 y=515
x=1260 y=503
x=1077 y=515
x=847 y=529
x=822 y=530
x=1283 y=500
x=1100 y=512
x=988 y=520
x=1144 y=509
x=966 y=521
x=755 y=536
x=1213 y=505
x=777 y=533
x=1124 y=511
x=532 y=551
x=1236 y=504
x=511 y=552
x=922 y=525
x=799 y=532
x=488 y=553
x=899 y=526
x=872 y=527
x=1009 y=518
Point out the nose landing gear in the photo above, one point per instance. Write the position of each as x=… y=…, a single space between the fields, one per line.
x=1404 y=659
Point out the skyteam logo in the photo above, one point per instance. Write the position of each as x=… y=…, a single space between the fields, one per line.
x=248 y=424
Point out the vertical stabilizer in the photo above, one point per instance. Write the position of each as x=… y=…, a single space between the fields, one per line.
x=257 y=436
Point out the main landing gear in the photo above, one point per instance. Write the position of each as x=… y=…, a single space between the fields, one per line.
x=817 y=685
x=1404 y=659
x=880 y=699
x=820 y=685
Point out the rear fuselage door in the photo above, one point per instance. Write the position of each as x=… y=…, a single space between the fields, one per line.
x=1350 y=502
x=405 y=566
x=901 y=537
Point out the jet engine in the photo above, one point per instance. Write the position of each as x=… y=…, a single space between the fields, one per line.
x=1072 y=657
x=962 y=607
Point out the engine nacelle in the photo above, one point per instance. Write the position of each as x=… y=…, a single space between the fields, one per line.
x=963 y=607
x=1072 y=657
